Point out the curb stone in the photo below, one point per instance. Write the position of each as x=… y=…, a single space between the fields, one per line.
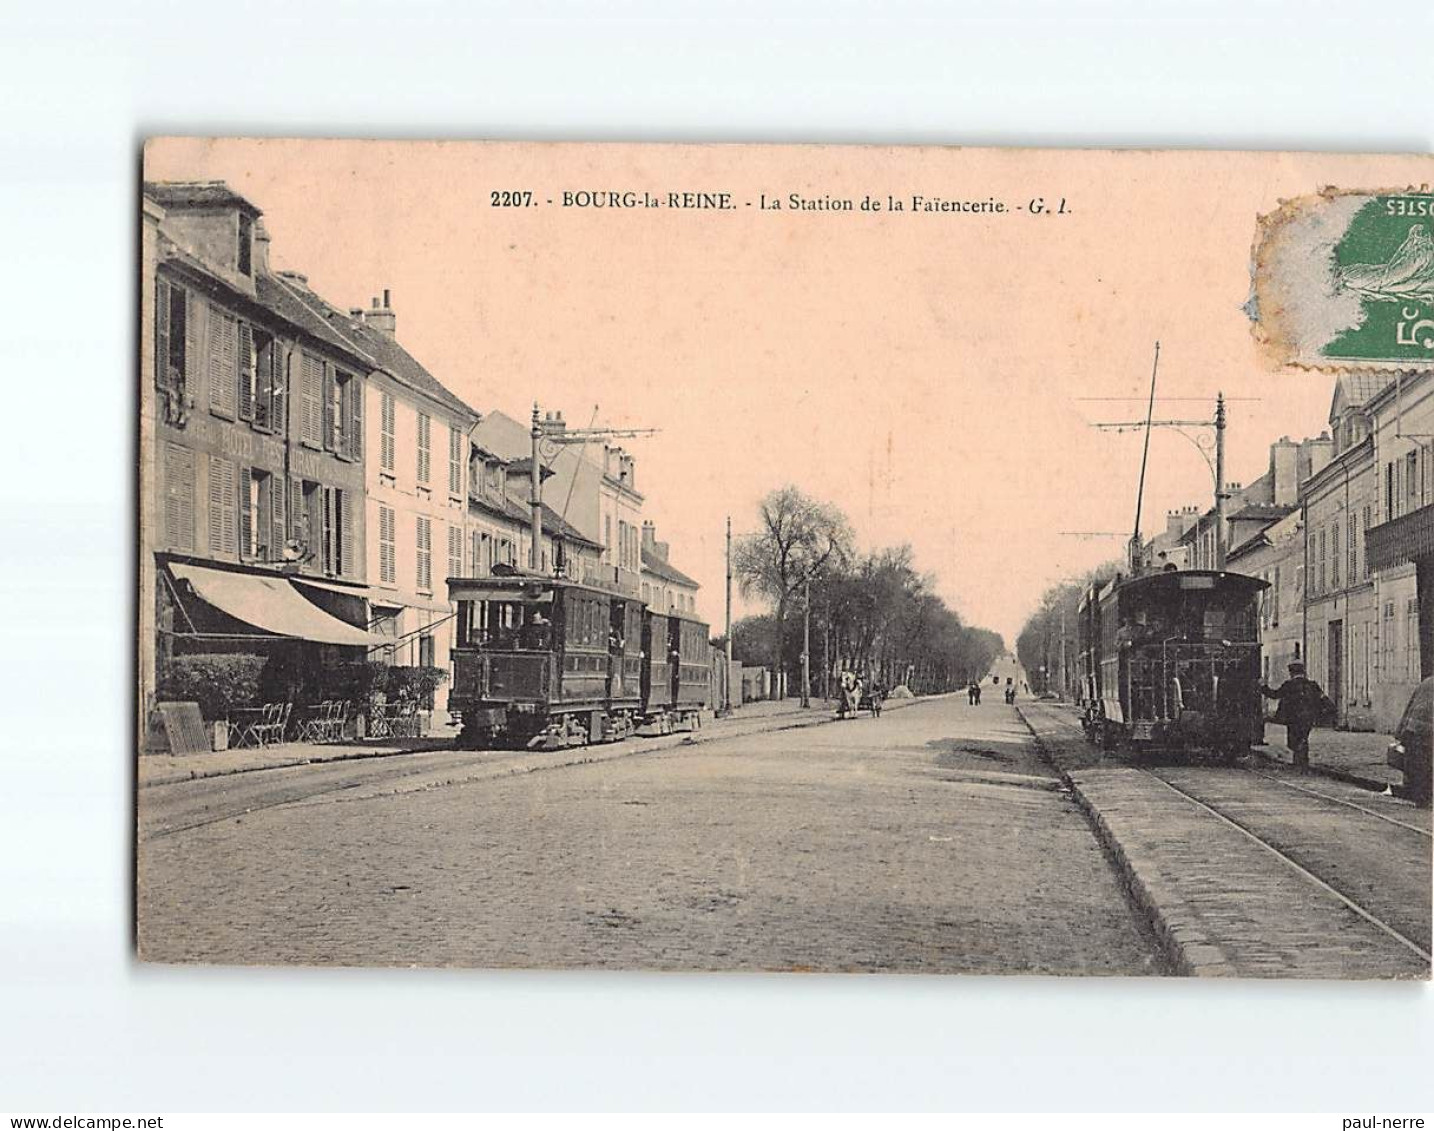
x=667 y=742
x=1183 y=941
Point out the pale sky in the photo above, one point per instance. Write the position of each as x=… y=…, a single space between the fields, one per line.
x=920 y=370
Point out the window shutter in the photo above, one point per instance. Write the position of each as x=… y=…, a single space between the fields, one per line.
x=192 y=368
x=276 y=519
x=328 y=404
x=223 y=362
x=297 y=526
x=264 y=385
x=386 y=561
x=179 y=497
x=222 y=506
x=355 y=425
x=244 y=483
x=312 y=381
x=161 y=334
x=385 y=447
x=247 y=372
x=277 y=356
x=424 y=450
x=346 y=565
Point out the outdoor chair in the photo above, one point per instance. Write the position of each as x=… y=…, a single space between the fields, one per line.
x=275 y=723
x=317 y=724
x=246 y=726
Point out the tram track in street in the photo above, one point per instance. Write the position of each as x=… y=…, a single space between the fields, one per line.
x=1425 y=833
x=1323 y=885
x=1242 y=872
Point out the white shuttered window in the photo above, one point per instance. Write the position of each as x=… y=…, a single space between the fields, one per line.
x=424 y=540
x=387 y=562
x=385 y=446
x=425 y=450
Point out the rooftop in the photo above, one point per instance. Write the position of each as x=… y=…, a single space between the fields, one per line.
x=198 y=194
x=384 y=350
x=1265 y=511
x=656 y=564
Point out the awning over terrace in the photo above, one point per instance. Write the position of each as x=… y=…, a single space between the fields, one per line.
x=271 y=604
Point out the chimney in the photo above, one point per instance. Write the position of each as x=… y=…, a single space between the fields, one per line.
x=649 y=537
x=1315 y=455
x=261 y=248
x=1284 y=472
x=382 y=318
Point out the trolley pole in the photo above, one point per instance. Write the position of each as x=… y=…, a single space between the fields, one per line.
x=727 y=635
x=1221 y=534
x=807 y=642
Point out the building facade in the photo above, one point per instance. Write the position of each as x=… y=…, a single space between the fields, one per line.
x=1276 y=556
x=416 y=436
x=1400 y=543
x=1341 y=636
x=252 y=474
x=665 y=588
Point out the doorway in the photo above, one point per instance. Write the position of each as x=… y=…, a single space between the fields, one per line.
x=1336 y=671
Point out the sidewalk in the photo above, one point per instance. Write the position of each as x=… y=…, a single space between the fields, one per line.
x=1356 y=757
x=165 y=769
x=1353 y=756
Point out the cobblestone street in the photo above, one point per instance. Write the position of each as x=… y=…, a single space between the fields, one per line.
x=932 y=839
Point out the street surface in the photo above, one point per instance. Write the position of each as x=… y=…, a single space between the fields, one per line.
x=934 y=839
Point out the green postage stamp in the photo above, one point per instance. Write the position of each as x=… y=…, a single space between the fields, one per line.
x=1346 y=280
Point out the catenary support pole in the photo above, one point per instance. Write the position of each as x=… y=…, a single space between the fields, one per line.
x=727 y=635
x=807 y=642
x=535 y=497
x=1221 y=534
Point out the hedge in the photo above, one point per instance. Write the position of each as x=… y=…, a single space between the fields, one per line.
x=219 y=683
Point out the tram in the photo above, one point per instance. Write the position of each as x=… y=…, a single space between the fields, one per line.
x=1171 y=662
x=546 y=662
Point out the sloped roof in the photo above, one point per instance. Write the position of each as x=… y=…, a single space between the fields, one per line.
x=385 y=351
x=525 y=467
x=1353 y=389
x=282 y=297
x=553 y=523
x=198 y=194
x=656 y=564
x=1359 y=387
x=1270 y=512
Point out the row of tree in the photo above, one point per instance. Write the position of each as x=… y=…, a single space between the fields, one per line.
x=872 y=614
x=1046 y=646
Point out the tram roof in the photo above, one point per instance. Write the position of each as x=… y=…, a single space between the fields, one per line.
x=1192 y=579
x=516 y=586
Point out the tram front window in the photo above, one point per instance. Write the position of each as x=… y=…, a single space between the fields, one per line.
x=510 y=626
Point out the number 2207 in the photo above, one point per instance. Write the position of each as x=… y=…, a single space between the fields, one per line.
x=510 y=199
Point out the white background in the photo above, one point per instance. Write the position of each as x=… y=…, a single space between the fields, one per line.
x=82 y=1027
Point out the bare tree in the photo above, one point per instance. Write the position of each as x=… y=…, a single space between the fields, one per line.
x=797 y=539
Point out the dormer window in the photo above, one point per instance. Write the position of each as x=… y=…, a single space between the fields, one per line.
x=246 y=244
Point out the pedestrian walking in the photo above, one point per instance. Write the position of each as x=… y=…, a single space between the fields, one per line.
x=1302 y=702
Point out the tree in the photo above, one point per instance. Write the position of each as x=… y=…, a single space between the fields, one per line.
x=796 y=540
x=1039 y=645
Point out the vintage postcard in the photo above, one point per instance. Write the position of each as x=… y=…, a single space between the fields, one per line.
x=785 y=558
